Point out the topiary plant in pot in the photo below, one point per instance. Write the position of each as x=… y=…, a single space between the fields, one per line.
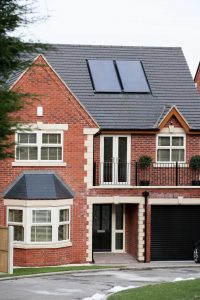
x=144 y=162
x=195 y=165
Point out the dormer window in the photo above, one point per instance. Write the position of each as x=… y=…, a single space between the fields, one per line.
x=171 y=148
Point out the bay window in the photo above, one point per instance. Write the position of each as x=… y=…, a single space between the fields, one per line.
x=42 y=225
x=170 y=148
x=39 y=146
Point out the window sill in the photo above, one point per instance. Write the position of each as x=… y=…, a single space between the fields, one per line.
x=39 y=164
x=170 y=165
x=41 y=246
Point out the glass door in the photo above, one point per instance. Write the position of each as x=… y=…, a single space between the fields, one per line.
x=115 y=159
x=118 y=236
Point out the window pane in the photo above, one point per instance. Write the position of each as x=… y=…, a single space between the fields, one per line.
x=163 y=155
x=41 y=216
x=15 y=215
x=27 y=138
x=64 y=215
x=41 y=234
x=32 y=153
x=51 y=153
x=178 y=155
x=26 y=153
x=164 y=141
x=23 y=138
x=63 y=232
x=51 y=138
x=18 y=233
x=119 y=241
x=119 y=216
x=54 y=138
x=44 y=153
x=177 y=141
x=45 y=138
x=22 y=153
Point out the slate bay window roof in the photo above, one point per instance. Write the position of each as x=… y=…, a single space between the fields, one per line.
x=38 y=185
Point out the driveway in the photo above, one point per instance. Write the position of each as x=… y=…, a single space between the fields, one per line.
x=88 y=286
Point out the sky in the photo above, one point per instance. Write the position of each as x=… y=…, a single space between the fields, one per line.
x=120 y=22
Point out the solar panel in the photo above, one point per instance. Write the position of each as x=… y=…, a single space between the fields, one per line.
x=132 y=76
x=104 y=76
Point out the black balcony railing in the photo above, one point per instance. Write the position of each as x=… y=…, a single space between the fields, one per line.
x=157 y=174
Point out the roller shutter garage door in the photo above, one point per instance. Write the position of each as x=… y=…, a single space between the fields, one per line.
x=174 y=230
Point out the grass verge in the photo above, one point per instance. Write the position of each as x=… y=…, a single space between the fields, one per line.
x=183 y=290
x=43 y=270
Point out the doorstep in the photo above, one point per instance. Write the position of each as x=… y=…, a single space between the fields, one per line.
x=126 y=260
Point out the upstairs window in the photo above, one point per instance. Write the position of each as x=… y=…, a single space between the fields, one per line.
x=39 y=146
x=170 y=148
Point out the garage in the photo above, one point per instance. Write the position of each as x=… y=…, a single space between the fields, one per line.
x=174 y=230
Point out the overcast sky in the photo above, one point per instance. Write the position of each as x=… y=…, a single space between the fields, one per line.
x=121 y=22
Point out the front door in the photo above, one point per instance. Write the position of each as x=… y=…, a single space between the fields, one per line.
x=102 y=227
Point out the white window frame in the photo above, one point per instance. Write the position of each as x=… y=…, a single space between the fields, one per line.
x=39 y=145
x=41 y=224
x=27 y=224
x=10 y=223
x=171 y=147
x=114 y=230
x=115 y=157
x=63 y=223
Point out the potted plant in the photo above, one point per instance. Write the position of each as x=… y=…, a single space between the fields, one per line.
x=195 y=165
x=144 y=162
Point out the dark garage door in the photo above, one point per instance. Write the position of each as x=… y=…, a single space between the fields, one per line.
x=174 y=229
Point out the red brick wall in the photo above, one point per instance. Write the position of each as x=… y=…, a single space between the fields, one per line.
x=131 y=215
x=197 y=80
x=173 y=121
x=60 y=106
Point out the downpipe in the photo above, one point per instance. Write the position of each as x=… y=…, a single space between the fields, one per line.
x=145 y=194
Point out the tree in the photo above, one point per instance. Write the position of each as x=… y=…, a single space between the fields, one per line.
x=14 y=57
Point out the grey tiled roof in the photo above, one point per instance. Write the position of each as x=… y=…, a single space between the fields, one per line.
x=38 y=185
x=167 y=72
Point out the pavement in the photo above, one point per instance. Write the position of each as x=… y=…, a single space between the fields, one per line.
x=90 y=285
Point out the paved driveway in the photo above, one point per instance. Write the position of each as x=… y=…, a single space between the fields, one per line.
x=90 y=286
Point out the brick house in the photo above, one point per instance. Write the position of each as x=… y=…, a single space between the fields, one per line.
x=75 y=186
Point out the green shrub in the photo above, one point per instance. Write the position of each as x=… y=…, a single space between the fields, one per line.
x=145 y=161
x=195 y=162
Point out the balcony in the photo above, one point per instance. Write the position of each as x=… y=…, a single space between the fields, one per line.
x=157 y=174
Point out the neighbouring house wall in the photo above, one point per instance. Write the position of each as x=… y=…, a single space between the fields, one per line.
x=60 y=107
x=197 y=79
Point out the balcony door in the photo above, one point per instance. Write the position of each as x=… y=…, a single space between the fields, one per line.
x=115 y=159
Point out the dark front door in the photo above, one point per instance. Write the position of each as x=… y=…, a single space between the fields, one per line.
x=102 y=227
